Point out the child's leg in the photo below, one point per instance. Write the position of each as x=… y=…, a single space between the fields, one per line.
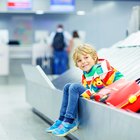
x=64 y=101
x=58 y=122
x=75 y=90
x=69 y=125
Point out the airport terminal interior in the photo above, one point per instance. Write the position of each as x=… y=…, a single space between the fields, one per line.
x=25 y=30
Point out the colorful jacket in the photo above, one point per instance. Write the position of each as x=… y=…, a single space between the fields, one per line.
x=100 y=75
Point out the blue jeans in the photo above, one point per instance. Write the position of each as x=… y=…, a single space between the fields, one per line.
x=71 y=94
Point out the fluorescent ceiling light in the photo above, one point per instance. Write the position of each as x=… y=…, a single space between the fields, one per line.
x=81 y=13
x=39 y=12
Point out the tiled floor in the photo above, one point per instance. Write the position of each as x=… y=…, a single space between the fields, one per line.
x=17 y=121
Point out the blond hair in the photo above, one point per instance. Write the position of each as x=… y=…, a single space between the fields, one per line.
x=83 y=49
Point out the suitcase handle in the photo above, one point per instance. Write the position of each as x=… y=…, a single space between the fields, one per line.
x=138 y=81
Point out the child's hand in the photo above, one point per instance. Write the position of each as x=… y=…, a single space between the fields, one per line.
x=95 y=97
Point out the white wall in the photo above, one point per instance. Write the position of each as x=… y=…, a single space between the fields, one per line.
x=105 y=22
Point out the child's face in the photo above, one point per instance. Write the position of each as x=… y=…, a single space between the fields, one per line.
x=85 y=62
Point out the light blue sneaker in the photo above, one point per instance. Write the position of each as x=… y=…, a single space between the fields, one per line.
x=65 y=128
x=56 y=124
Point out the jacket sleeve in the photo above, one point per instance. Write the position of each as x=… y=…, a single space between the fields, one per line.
x=106 y=72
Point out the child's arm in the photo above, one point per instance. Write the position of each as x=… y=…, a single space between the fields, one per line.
x=106 y=72
x=87 y=94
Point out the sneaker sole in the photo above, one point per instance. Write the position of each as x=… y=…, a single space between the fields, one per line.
x=70 y=131
x=49 y=131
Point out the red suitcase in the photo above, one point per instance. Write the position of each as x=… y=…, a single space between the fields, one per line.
x=122 y=94
x=132 y=103
x=110 y=90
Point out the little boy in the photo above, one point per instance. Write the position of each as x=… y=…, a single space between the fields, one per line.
x=97 y=73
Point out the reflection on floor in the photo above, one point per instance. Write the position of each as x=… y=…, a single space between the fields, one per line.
x=17 y=121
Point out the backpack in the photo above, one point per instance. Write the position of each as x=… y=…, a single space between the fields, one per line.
x=58 y=42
